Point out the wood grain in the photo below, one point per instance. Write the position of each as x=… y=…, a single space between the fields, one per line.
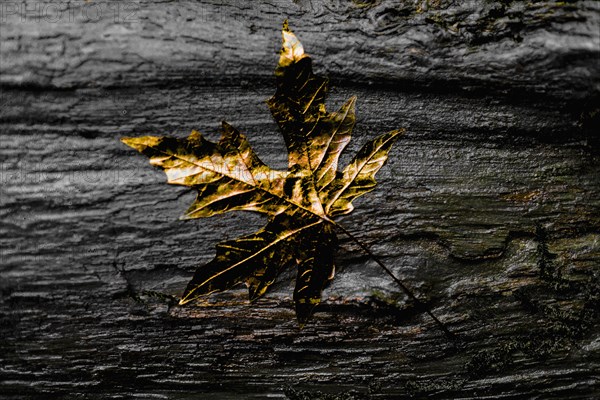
x=489 y=207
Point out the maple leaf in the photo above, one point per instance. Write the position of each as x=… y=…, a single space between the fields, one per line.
x=300 y=202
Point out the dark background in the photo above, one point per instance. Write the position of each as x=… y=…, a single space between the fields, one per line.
x=488 y=208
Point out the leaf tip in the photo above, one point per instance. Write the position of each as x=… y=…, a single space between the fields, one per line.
x=392 y=136
x=187 y=295
x=183 y=301
x=302 y=320
x=292 y=50
x=141 y=143
x=129 y=141
x=303 y=314
x=253 y=298
x=227 y=127
x=399 y=132
x=396 y=133
x=195 y=136
x=304 y=310
x=351 y=104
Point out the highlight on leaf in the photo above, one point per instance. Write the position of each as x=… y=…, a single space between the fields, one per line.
x=300 y=202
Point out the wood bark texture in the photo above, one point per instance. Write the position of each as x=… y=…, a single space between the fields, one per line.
x=488 y=208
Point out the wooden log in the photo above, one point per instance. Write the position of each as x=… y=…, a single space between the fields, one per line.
x=489 y=207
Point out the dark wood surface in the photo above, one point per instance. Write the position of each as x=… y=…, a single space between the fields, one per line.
x=489 y=207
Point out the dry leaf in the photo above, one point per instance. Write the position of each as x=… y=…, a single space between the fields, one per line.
x=300 y=202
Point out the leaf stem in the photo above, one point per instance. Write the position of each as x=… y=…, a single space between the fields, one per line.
x=406 y=290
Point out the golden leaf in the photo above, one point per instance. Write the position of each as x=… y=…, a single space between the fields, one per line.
x=300 y=202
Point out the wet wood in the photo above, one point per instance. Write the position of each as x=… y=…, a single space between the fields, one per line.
x=489 y=207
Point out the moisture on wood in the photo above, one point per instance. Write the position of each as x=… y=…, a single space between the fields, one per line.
x=488 y=208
